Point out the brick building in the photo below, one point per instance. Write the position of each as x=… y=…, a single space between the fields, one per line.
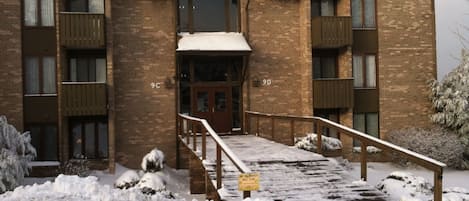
x=104 y=79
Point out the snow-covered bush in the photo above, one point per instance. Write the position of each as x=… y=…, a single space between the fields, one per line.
x=437 y=143
x=153 y=161
x=16 y=152
x=150 y=183
x=310 y=141
x=74 y=188
x=405 y=186
x=78 y=167
x=450 y=99
x=128 y=179
x=369 y=149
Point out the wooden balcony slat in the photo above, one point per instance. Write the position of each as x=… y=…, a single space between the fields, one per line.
x=331 y=31
x=332 y=93
x=84 y=99
x=82 y=30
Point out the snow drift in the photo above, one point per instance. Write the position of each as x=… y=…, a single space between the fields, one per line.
x=310 y=141
x=74 y=188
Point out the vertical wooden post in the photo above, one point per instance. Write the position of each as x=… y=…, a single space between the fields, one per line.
x=178 y=134
x=204 y=142
x=438 y=179
x=273 y=128
x=218 y=167
x=190 y=16
x=246 y=194
x=292 y=132
x=363 y=154
x=247 y=124
x=319 y=134
x=189 y=132
x=257 y=123
x=194 y=138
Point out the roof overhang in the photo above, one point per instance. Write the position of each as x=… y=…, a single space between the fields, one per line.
x=213 y=43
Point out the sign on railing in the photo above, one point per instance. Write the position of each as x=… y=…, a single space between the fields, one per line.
x=189 y=128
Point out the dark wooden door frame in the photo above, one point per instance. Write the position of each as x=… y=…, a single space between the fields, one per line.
x=221 y=121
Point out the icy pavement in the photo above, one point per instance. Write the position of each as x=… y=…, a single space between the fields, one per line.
x=288 y=173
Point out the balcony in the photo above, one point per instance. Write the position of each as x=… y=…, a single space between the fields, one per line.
x=332 y=93
x=331 y=31
x=82 y=30
x=83 y=99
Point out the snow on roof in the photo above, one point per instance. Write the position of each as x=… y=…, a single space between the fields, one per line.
x=213 y=41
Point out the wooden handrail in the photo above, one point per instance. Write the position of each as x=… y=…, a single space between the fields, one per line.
x=220 y=147
x=366 y=140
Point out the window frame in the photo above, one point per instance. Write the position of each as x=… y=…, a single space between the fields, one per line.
x=88 y=56
x=364 y=70
x=320 y=9
x=42 y=143
x=40 y=76
x=336 y=65
x=191 y=23
x=38 y=24
x=82 y=121
x=365 y=114
x=363 y=17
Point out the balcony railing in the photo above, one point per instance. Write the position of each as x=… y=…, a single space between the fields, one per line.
x=82 y=30
x=83 y=99
x=331 y=31
x=332 y=93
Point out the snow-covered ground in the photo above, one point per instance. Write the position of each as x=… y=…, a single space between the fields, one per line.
x=98 y=185
x=378 y=171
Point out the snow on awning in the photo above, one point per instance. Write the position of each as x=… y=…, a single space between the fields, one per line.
x=213 y=42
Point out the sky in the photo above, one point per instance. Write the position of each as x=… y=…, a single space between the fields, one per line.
x=451 y=16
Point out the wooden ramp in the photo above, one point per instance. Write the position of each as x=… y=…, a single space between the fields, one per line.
x=287 y=173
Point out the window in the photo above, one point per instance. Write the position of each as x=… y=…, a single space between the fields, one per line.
x=322 y=8
x=364 y=71
x=208 y=15
x=330 y=114
x=89 y=138
x=91 y=6
x=44 y=139
x=367 y=123
x=363 y=13
x=324 y=67
x=40 y=75
x=87 y=69
x=39 y=13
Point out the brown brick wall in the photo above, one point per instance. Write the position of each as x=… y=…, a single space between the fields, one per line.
x=11 y=85
x=407 y=62
x=275 y=32
x=144 y=47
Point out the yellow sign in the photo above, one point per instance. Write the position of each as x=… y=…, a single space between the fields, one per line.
x=248 y=182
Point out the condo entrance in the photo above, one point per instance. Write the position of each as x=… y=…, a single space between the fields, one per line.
x=210 y=88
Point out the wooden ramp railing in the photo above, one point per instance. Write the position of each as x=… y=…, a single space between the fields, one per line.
x=205 y=129
x=366 y=140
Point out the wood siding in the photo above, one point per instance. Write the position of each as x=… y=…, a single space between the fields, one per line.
x=366 y=100
x=332 y=93
x=84 y=99
x=365 y=41
x=331 y=31
x=82 y=30
x=40 y=109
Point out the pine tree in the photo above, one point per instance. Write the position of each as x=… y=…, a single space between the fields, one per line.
x=15 y=153
x=450 y=99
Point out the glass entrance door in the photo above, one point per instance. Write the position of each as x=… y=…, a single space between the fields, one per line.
x=214 y=105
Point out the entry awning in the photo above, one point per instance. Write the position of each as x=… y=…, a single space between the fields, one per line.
x=213 y=43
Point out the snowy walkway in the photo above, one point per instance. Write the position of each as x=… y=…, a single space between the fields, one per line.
x=288 y=173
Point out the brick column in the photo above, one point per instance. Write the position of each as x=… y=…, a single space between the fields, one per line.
x=11 y=82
